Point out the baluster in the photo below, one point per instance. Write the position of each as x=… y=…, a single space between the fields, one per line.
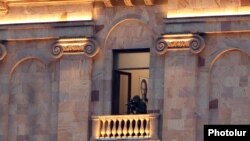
x=122 y=128
x=106 y=127
x=108 y=132
x=144 y=127
x=141 y=128
x=124 y=131
x=103 y=128
x=119 y=130
x=114 y=129
x=147 y=128
x=136 y=128
x=130 y=130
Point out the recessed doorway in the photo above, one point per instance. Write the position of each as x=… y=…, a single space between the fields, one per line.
x=130 y=77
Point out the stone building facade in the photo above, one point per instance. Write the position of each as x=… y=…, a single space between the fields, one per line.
x=58 y=68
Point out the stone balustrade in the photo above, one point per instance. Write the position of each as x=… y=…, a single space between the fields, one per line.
x=125 y=127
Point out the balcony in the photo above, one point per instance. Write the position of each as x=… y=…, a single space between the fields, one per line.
x=125 y=127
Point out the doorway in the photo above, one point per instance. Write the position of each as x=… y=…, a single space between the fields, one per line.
x=130 y=77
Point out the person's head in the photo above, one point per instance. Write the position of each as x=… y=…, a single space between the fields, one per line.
x=144 y=89
x=136 y=98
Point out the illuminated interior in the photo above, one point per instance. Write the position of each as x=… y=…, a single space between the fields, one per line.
x=129 y=71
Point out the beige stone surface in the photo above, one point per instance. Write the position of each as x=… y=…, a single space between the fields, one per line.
x=116 y=34
x=231 y=88
x=46 y=31
x=47 y=12
x=198 y=8
x=180 y=93
x=209 y=24
x=30 y=102
x=74 y=88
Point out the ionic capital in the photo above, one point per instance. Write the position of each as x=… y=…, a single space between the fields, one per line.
x=194 y=42
x=3 y=52
x=85 y=46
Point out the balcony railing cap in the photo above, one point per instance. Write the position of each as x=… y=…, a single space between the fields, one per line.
x=154 y=115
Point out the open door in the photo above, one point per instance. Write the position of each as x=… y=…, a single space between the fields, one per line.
x=121 y=92
x=129 y=68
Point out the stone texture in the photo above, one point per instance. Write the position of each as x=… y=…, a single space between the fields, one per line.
x=31 y=104
x=118 y=22
x=47 y=13
x=187 y=8
x=207 y=24
x=245 y=3
x=45 y=31
x=225 y=26
x=75 y=87
x=182 y=89
x=231 y=89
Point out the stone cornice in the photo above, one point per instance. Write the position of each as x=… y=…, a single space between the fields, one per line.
x=194 y=42
x=54 y=2
x=70 y=46
x=5 y=4
x=208 y=25
x=107 y=3
x=46 y=30
x=130 y=3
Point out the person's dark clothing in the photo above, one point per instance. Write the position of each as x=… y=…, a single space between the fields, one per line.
x=137 y=106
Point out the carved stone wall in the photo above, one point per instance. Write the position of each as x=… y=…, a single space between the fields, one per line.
x=29 y=93
x=74 y=89
x=229 y=94
x=223 y=72
x=180 y=82
x=42 y=95
x=31 y=112
x=127 y=28
x=198 y=8
x=44 y=11
x=4 y=98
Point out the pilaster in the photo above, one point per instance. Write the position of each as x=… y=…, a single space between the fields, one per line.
x=74 y=87
x=3 y=97
x=180 y=85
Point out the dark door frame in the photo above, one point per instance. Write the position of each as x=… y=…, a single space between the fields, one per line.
x=116 y=90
